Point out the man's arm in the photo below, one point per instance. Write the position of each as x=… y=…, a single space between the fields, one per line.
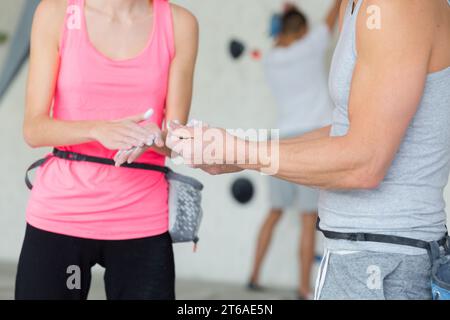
x=313 y=135
x=387 y=87
x=230 y=168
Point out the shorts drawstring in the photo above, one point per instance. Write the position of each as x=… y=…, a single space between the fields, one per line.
x=320 y=281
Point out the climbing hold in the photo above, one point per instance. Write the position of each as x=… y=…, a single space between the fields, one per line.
x=256 y=54
x=237 y=48
x=242 y=190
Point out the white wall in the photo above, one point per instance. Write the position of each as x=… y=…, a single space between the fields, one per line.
x=228 y=93
x=14 y=155
x=9 y=11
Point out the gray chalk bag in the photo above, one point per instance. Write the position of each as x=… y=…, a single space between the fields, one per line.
x=185 y=210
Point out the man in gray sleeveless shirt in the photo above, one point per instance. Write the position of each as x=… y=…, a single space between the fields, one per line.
x=385 y=161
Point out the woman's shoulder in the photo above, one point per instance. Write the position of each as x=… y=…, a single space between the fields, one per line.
x=49 y=16
x=51 y=9
x=183 y=18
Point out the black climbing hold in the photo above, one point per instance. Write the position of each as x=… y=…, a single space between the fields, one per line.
x=237 y=48
x=242 y=190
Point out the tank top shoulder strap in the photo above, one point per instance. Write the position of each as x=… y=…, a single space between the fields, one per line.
x=72 y=22
x=352 y=11
x=355 y=8
x=164 y=25
x=348 y=9
x=351 y=18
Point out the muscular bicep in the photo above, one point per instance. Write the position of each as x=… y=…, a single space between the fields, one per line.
x=44 y=59
x=183 y=65
x=388 y=79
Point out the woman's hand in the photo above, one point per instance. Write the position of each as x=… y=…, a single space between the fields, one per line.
x=130 y=155
x=122 y=134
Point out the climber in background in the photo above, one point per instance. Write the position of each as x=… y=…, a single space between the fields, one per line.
x=296 y=73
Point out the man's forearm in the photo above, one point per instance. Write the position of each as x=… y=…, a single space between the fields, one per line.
x=313 y=135
x=327 y=162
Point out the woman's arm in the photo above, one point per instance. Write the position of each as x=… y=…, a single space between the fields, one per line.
x=181 y=78
x=40 y=129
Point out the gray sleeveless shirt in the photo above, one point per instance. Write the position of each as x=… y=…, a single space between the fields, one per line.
x=409 y=202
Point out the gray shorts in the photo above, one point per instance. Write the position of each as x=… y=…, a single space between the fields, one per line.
x=366 y=275
x=285 y=195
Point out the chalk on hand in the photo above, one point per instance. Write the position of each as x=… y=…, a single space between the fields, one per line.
x=149 y=114
x=150 y=141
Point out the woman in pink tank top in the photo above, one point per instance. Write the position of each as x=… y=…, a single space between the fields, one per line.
x=90 y=84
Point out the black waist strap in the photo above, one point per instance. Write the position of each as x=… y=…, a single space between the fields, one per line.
x=381 y=238
x=73 y=156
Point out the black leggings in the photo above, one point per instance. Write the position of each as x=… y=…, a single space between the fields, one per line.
x=58 y=267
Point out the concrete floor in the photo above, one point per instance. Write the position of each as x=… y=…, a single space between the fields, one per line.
x=186 y=289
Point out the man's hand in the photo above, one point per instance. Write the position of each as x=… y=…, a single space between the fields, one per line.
x=201 y=145
x=182 y=140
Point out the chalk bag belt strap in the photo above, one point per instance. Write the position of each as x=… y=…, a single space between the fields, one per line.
x=73 y=156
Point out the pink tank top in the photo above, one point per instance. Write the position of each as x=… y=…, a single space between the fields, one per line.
x=95 y=201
